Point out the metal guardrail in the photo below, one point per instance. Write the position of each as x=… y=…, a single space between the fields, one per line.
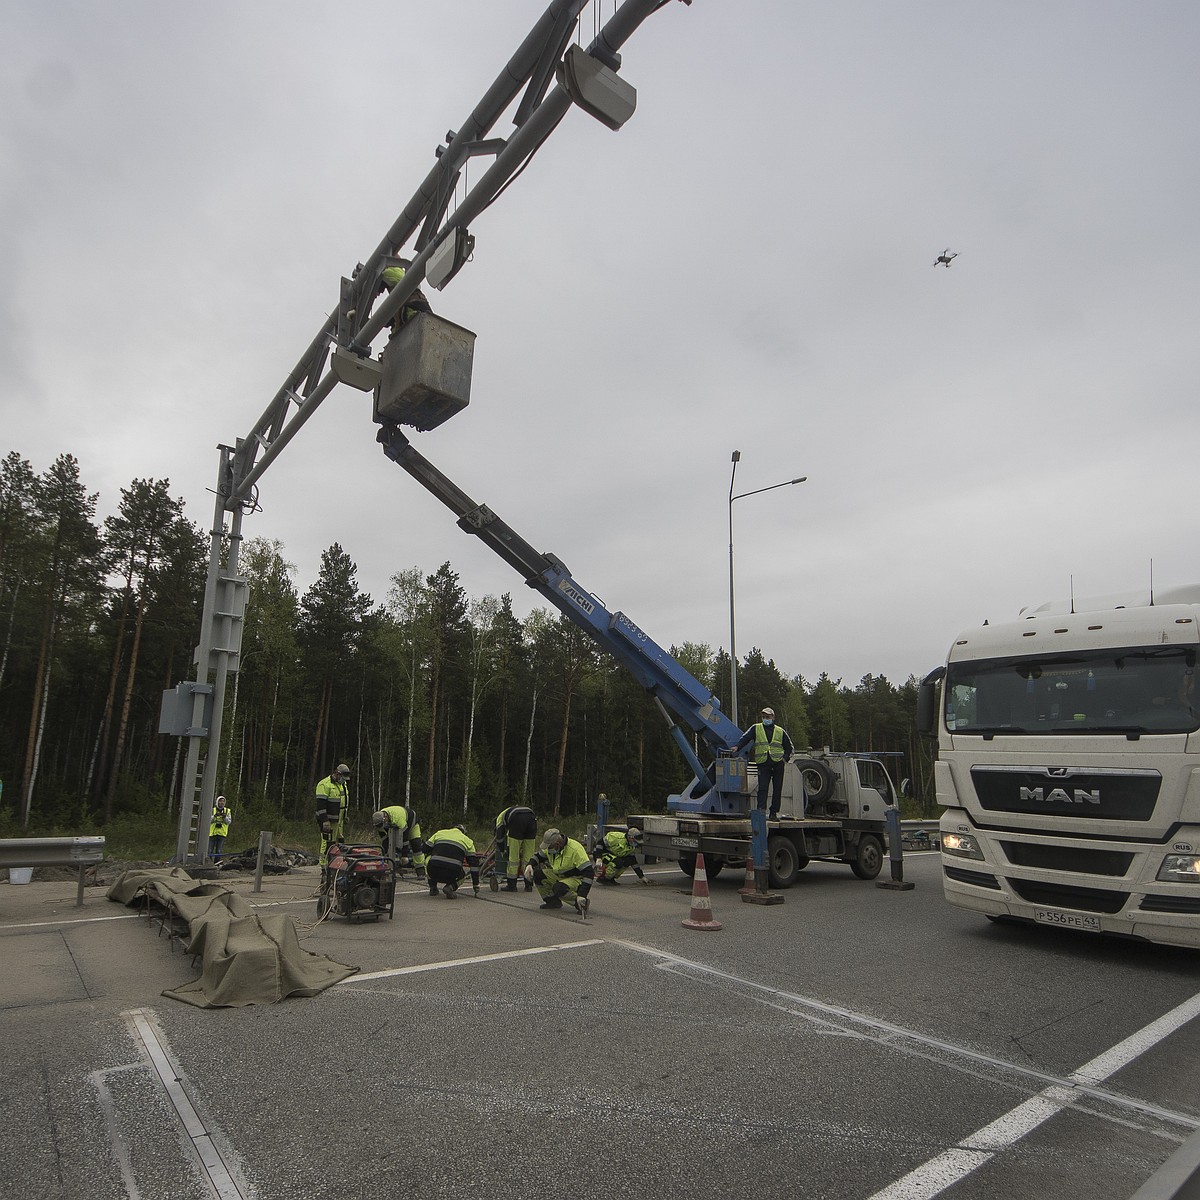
x=917 y=834
x=81 y=852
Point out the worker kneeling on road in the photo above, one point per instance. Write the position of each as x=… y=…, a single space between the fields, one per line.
x=451 y=855
x=562 y=868
x=616 y=853
x=400 y=835
x=516 y=829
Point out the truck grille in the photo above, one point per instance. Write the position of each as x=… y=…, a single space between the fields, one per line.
x=1091 y=793
x=1067 y=858
x=1057 y=896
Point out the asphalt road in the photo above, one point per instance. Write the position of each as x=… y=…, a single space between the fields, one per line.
x=853 y=1042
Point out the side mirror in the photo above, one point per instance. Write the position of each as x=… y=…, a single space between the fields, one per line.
x=927 y=703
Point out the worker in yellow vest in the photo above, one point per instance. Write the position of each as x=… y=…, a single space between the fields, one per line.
x=333 y=799
x=400 y=833
x=451 y=855
x=562 y=869
x=772 y=748
x=218 y=829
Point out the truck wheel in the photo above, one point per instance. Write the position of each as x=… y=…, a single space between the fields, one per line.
x=868 y=858
x=817 y=779
x=687 y=864
x=783 y=862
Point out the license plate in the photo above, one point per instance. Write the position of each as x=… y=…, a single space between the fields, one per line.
x=686 y=843
x=1066 y=920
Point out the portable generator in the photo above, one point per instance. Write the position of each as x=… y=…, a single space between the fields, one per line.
x=357 y=883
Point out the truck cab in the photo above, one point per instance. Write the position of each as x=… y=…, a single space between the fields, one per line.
x=1069 y=766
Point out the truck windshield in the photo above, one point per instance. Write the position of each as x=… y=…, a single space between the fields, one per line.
x=1138 y=690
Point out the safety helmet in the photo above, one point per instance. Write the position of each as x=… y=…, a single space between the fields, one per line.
x=380 y=820
x=769 y=712
x=633 y=835
x=342 y=769
x=554 y=839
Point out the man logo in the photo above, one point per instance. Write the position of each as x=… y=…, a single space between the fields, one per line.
x=1039 y=795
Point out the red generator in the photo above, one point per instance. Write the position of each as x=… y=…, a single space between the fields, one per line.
x=358 y=883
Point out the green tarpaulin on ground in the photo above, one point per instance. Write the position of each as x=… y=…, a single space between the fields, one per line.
x=246 y=958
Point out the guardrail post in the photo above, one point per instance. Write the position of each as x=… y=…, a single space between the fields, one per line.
x=895 y=854
x=264 y=844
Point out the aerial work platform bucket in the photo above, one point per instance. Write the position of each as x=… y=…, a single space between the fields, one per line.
x=426 y=373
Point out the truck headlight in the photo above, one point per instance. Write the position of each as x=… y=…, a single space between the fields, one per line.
x=963 y=845
x=1179 y=868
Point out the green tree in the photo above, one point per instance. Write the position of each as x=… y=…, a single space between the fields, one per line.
x=408 y=605
x=18 y=530
x=447 y=613
x=136 y=537
x=829 y=718
x=66 y=584
x=331 y=617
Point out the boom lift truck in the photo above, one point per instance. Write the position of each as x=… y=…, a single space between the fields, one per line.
x=833 y=805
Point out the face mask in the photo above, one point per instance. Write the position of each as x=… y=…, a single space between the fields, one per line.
x=767 y=722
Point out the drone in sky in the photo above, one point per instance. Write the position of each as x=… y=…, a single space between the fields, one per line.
x=943 y=259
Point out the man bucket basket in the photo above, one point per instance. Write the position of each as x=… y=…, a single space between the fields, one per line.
x=701 y=915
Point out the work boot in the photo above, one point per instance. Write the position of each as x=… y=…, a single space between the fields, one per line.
x=551 y=902
x=510 y=886
x=528 y=886
x=449 y=890
x=432 y=888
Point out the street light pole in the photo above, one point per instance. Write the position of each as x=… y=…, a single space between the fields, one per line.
x=737 y=457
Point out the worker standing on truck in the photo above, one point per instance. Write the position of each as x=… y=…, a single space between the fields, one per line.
x=516 y=830
x=218 y=828
x=451 y=855
x=400 y=835
x=772 y=748
x=616 y=853
x=561 y=868
x=333 y=798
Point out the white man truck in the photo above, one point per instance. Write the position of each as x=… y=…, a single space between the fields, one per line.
x=1068 y=766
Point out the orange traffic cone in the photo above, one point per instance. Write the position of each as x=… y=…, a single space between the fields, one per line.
x=751 y=884
x=701 y=915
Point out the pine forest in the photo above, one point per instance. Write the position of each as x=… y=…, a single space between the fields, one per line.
x=434 y=698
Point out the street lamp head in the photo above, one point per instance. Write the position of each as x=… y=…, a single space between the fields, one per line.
x=737 y=456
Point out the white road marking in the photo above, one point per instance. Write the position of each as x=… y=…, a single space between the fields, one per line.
x=948 y=1168
x=71 y=921
x=974 y=1151
x=351 y=980
x=219 y=1176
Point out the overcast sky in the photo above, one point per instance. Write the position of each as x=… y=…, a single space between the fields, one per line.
x=747 y=265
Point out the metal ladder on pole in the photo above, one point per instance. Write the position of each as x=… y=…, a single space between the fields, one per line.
x=196 y=848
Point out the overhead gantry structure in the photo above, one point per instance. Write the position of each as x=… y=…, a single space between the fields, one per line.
x=546 y=76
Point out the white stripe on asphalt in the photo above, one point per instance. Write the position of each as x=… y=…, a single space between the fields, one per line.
x=941 y=1172
x=351 y=980
x=71 y=921
x=974 y=1151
